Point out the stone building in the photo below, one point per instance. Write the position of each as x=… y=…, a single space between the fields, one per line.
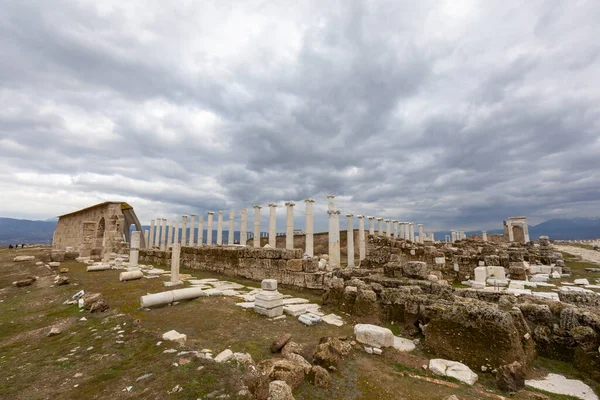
x=96 y=230
x=516 y=229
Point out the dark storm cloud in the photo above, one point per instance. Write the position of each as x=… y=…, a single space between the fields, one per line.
x=454 y=114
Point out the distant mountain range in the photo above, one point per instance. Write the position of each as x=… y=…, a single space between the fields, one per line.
x=14 y=231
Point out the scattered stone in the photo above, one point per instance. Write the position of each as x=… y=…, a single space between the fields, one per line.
x=309 y=319
x=61 y=280
x=169 y=351
x=581 y=281
x=55 y=330
x=176 y=389
x=333 y=319
x=184 y=361
x=143 y=377
x=280 y=390
x=330 y=351
x=224 y=356
x=558 y=384
x=280 y=342
x=83 y=319
x=175 y=336
x=54 y=264
x=453 y=369
x=511 y=377
x=25 y=282
x=374 y=335
x=63 y=270
x=24 y=258
x=377 y=351
x=319 y=377
x=402 y=344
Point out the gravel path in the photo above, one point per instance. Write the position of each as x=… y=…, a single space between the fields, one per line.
x=592 y=256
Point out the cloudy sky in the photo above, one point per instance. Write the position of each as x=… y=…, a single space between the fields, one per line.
x=455 y=114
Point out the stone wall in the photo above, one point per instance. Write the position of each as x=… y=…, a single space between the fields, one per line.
x=287 y=266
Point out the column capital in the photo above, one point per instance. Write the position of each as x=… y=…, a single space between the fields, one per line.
x=388 y=220
x=395 y=221
x=411 y=223
x=419 y=224
x=349 y=215
x=330 y=196
x=220 y=212
x=379 y=219
x=309 y=200
x=370 y=217
x=272 y=205
x=257 y=206
x=290 y=204
x=360 y=216
x=338 y=212
x=192 y=215
x=211 y=213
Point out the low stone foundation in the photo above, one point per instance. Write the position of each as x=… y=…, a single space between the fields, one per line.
x=286 y=266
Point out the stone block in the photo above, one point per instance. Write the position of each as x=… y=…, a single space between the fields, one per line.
x=373 y=335
x=310 y=265
x=440 y=260
x=269 y=312
x=294 y=265
x=268 y=284
x=480 y=274
x=415 y=269
x=291 y=254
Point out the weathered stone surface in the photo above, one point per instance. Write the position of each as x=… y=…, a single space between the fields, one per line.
x=224 y=356
x=295 y=265
x=453 y=369
x=373 y=335
x=319 y=377
x=330 y=351
x=24 y=282
x=55 y=330
x=415 y=269
x=24 y=258
x=511 y=377
x=280 y=390
x=280 y=342
x=61 y=280
x=175 y=336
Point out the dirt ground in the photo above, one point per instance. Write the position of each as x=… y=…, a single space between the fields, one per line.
x=588 y=255
x=103 y=356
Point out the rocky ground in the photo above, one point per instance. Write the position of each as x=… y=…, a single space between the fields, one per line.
x=120 y=352
x=589 y=255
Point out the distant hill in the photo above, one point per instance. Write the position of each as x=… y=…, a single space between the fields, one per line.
x=14 y=231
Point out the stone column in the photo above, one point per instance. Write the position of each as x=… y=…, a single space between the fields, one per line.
x=191 y=240
x=134 y=249
x=219 y=228
x=308 y=238
x=371 y=225
x=146 y=237
x=273 y=225
x=151 y=242
x=230 y=234
x=395 y=225
x=168 y=237
x=176 y=235
x=379 y=226
x=200 y=230
x=175 y=260
x=526 y=232
x=388 y=228
x=331 y=234
x=209 y=229
x=163 y=235
x=453 y=236
x=361 y=237
x=244 y=227
x=421 y=233
x=184 y=231
x=350 y=239
x=407 y=230
x=431 y=237
x=256 y=238
x=289 y=225
x=412 y=231
x=336 y=247
x=484 y=236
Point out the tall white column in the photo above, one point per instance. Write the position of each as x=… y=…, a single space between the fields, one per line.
x=407 y=230
x=350 y=239
x=361 y=237
x=395 y=224
x=431 y=237
x=209 y=229
x=273 y=225
x=453 y=236
x=388 y=228
x=379 y=226
x=176 y=235
x=256 y=238
x=289 y=225
x=526 y=232
x=200 y=230
x=146 y=238
x=412 y=231
x=219 y=228
x=175 y=259
x=230 y=236
x=308 y=238
x=244 y=227
x=151 y=242
x=371 y=225
x=191 y=240
x=184 y=231
x=169 y=237
x=484 y=236
x=134 y=249
x=421 y=233
x=331 y=234
x=336 y=244
x=163 y=235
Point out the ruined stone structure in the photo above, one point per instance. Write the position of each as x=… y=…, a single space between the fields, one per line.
x=96 y=230
x=516 y=230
